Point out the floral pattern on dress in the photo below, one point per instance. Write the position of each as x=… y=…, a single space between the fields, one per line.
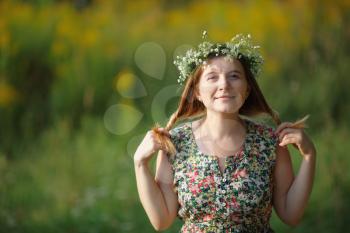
x=237 y=200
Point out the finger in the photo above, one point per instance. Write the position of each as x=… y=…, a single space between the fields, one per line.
x=286 y=131
x=149 y=132
x=157 y=146
x=286 y=141
x=164 y=131
x=282 y=126
x=161 y=131
x=152 y=135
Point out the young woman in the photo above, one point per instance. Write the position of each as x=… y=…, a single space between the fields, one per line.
x=220 y=171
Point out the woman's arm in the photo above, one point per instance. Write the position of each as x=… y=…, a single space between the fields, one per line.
x=157 y=197
x=292 y=193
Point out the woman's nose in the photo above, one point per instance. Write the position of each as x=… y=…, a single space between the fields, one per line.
x=223 y=82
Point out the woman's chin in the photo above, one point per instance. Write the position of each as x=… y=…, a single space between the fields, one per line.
x=227 y=110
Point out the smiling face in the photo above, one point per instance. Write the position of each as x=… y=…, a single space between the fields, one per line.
x=223 y=86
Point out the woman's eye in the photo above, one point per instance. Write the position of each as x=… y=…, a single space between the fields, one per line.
x=233 y=76
x=211 y=78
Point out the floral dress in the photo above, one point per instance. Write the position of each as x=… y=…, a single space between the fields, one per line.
x=237 y=200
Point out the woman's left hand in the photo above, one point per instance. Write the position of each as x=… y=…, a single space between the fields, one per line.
x=296 y=136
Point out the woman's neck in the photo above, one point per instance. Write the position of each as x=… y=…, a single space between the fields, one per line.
x=219 y=126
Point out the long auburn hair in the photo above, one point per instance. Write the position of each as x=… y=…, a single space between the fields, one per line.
x=190 y=107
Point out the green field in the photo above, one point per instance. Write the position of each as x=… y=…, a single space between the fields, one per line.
x=82 y=81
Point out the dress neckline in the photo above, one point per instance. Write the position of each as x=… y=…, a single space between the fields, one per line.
x=240 y=151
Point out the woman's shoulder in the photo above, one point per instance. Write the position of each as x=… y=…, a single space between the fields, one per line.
x=264 y=140
x=262 y=129
x=180 y=136
x=180 y=131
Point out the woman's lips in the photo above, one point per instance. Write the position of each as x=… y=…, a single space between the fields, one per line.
x=224 y=97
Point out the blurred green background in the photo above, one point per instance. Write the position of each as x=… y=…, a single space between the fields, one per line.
x=82 y=81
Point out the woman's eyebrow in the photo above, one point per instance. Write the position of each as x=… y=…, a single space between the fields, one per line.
x=210 y=72
x=234 y=71
x=229 y=72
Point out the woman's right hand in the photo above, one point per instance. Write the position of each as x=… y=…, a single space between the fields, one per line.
x=149 y=145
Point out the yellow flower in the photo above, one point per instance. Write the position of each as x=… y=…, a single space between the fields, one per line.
x=8 y=94
x=124 y=81
x=89 y=38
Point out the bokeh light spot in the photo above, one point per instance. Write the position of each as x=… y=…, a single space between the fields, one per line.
x=121 y=119
x=150 y=58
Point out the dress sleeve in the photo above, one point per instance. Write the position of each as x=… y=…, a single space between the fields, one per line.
x=272 y=137
x=271 y=142
x=175 y=139
x=266 y=142
x=180 y=138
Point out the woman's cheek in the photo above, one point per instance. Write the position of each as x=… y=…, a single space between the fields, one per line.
x=240 y=99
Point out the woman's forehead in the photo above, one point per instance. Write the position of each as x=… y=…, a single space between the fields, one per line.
x=222 y=64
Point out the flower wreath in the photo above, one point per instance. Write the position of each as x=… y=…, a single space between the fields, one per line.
x=240 y=46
